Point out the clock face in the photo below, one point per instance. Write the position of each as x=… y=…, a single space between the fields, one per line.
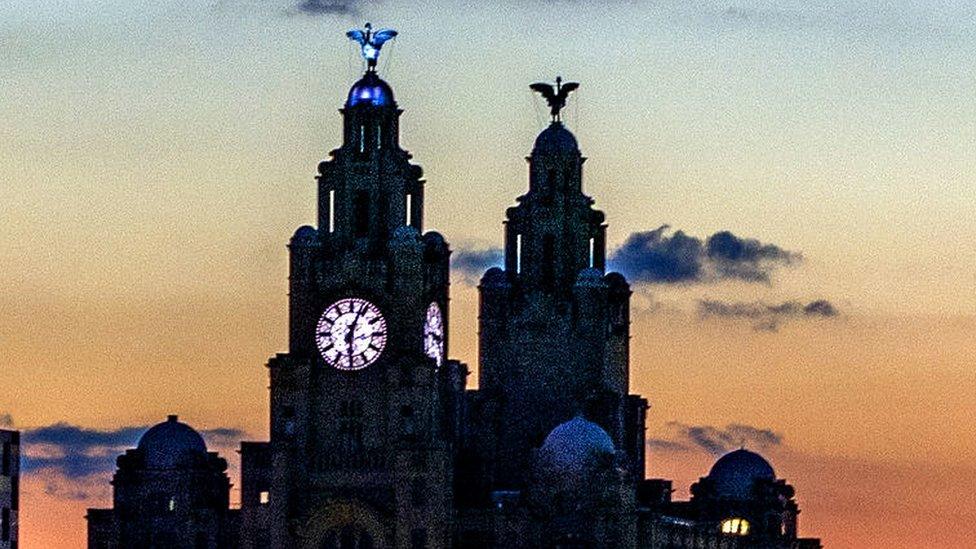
x=434 y=333
x=351 y=334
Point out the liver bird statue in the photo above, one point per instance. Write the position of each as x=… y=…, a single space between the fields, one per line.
x=371 y=42
x=555 y=96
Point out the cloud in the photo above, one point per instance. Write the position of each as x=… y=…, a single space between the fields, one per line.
x=77 y=452
x=714 y=440
x=765 y=316
x=331 y=7
x=471 y=263
x=659 y=257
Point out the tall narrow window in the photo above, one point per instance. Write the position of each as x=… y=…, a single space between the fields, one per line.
x=361 y=219
x=518 y=254
x=362 y=138
x=591 y=252
x=351 y=426
x=332 y=210
x=379 y=137
x=409 y=210
x=548 y=260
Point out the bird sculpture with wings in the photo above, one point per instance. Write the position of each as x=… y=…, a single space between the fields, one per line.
x=371 y=42
x=555 y=96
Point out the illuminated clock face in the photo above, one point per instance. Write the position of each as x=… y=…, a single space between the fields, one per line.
x=434 y=333
x=351 y=334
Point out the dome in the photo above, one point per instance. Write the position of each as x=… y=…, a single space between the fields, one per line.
x=573 y=446
x=170 y=444
x=590 y=277
x=734 y=474
x=305 y=235
x=406 y=234
x=555 y=139
x=494 y=276
x=370 y=90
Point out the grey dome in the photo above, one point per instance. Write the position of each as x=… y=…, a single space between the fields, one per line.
x=574 y=446
x=171 y=444
x=555 y=139
x=735 y=473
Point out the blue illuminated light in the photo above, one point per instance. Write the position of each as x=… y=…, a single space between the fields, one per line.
x=370 y=90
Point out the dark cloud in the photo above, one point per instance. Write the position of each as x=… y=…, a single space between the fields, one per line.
x=714 y=440
x=766 y=316
x=331 y=7
x=78 y=452
x=659 y=257
x=472 y=264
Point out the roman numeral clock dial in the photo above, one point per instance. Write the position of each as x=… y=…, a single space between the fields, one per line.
x=434 y=333
x=351 y=334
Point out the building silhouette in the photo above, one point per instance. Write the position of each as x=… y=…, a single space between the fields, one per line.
x=375 y=440
x=9 y=488
x=168 y=491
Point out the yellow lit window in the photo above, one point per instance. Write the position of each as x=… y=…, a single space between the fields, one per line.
x=735 y=526
x=265 y=498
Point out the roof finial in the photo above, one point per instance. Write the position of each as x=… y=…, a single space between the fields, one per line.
x=555 y=96
x=371 y=42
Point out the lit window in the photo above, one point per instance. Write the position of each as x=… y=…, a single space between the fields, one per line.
x=264 y=497
x=409 y=209
x=172 y=504
x=518 y=254
x=362 y=138
x=331 y=210
x=735 y=526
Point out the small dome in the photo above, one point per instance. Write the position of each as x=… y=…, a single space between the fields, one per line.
x=406 y=233
x=305 y=235
x=555 y=139
x=494 y=276
x=734 y=474
x=573 y=446
x=590 y=277
x=171 y=444
x=370 y=90
x=434 y=239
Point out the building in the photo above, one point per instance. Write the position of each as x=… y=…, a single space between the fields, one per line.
x=375 y=440
x=9 y=488
x=168 y=492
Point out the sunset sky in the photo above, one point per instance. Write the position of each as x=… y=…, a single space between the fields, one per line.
x=155 y=158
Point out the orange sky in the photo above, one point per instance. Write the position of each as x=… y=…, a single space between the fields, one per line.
x=156 y=157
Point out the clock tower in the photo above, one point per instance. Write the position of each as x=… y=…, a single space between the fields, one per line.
x=363 y=406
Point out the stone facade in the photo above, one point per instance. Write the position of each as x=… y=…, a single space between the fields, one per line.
x=9 y=488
